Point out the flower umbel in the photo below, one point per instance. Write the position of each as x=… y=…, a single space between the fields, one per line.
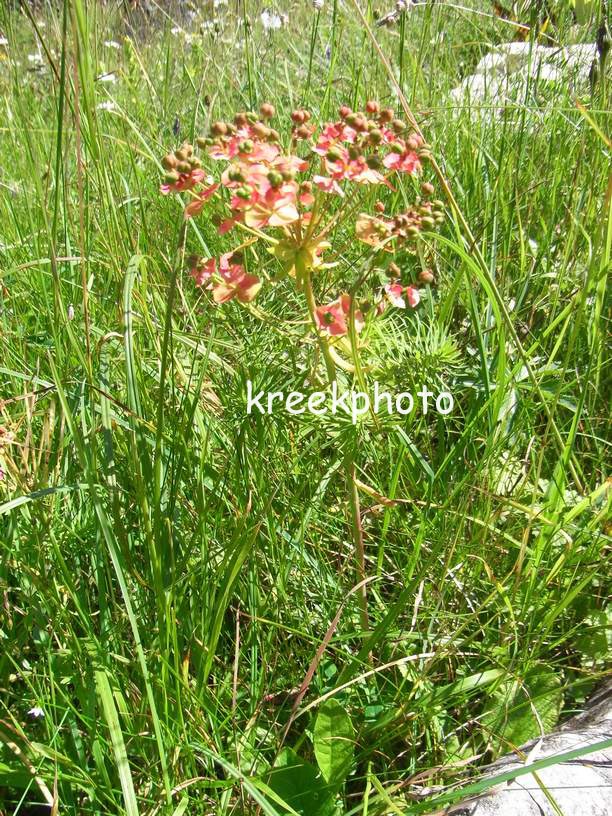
x=291 y=192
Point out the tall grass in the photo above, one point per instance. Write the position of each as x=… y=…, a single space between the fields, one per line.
x=178 y=582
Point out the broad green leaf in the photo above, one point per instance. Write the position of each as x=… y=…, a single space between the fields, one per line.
x=512 y=718
x=334 y=742
x=300 y=785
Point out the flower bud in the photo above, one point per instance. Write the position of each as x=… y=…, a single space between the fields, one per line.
x=252 y=117
x=345 y=111
x=273 y=135
x=298 y=117
x=169 y=162
x=171 y=177
x=398 y=125
x=303 y=132
x=427 y=188
x=427 y=221
x=412 y=232
x=181 y=154
x=374 y=161
x=351 y=119
x=372 y=106
x=267 y=110
x=412 y=143
x=307 y=115
x=243 y=192
x=437 y=204
x=183 y=167
x=426 y=276
x=379 y=207
x=306 y=187
x=204 y=142
x=333 y=154
x=218 y=129
x=234 y=174
x=361 y=124
x=240 y=120
x=375 y=136
x=354 y=152
x=246 y=146
x=396 y=148
x=393 y=270
x=194 y=162
x=386 y=115
x=188 y=148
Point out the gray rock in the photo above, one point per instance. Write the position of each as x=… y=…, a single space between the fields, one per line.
x=581 y=787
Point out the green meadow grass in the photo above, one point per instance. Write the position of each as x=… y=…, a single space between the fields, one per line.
x=173 y=570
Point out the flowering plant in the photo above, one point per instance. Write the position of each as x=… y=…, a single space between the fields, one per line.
x=286 y=193
x=293 y=193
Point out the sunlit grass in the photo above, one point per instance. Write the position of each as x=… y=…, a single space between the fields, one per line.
x=171 y=566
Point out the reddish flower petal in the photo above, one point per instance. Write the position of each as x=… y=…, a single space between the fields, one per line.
x=394 y=294
x=222 y=292
x=248 y=288
x=413 y=296
x=328 y=185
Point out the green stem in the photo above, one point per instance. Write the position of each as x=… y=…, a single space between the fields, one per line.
x=304 y=276
x=303 y=273
x=357 y=531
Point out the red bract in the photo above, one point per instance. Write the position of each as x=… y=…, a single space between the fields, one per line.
x=197 y=204
x=333 y=318
x=226 y=279
x=185 y=181
x=405 y=162
x=395 y=295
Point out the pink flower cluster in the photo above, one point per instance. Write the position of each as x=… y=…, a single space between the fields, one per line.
x=265 y=185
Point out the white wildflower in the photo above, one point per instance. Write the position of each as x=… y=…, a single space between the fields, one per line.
x=36 y=713
x=108 y=105
x=70 y=312
x=3 y=41
x=111 y=44
x=318 y=4
x=270 y=21
x=109 y=77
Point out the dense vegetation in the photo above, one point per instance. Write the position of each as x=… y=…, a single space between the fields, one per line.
x=178 y=629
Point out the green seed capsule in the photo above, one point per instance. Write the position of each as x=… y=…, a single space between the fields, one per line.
x=275 y=178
